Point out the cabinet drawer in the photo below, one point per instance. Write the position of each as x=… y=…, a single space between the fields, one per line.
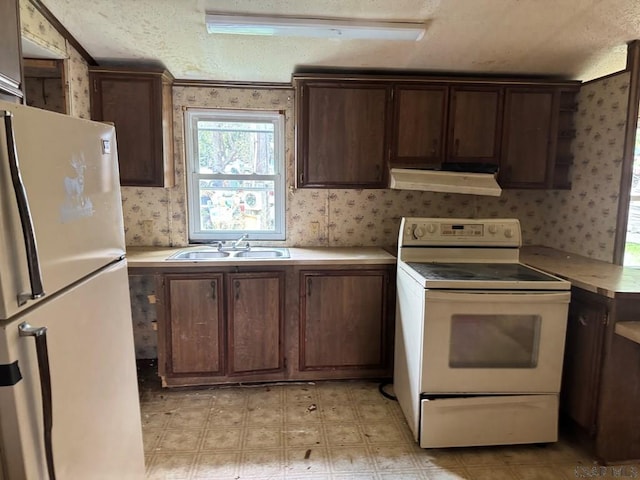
x=490 y=420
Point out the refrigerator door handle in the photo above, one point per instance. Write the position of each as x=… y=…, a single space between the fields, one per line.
x=33 y=263
x=40 y=336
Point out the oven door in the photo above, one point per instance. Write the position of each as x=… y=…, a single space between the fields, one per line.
x=490 y=341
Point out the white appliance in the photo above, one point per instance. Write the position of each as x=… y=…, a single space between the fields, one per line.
x=69 y=406
x=479 y=337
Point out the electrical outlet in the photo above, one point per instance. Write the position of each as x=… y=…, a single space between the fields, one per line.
x=315 y=230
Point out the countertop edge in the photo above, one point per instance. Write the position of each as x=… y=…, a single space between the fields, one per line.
x=156 y=257
x=588 y=274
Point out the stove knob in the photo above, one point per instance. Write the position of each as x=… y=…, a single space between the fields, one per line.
x=508 y=233
x=418 y=232
x=431 y=228
x=493 y=229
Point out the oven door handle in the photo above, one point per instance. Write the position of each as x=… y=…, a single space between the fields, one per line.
x=493 y=296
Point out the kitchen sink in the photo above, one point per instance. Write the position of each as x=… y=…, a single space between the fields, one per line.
x=275 y=253
x=198 y=255
x=256 y=253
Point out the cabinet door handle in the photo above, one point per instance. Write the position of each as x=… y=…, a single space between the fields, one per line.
x=237 y=290
x=582 y=320
x=214 y=287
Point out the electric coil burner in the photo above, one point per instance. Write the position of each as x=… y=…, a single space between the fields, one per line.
x=479 y=336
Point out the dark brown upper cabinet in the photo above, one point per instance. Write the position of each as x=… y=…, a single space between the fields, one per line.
x=474 y=126
x=436 y=124
x=11 y=53
x=527 y=141
x=420 y=114
x=342 y=134
x=537 y=135
x=139 y=104
x=351 y=129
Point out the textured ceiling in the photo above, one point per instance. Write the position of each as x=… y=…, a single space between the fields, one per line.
x=577 y=39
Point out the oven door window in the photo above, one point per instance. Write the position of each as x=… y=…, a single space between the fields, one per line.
x=494 y=341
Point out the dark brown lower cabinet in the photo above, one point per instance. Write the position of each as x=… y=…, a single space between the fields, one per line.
x=600 y=391
x=228 y=325
x=345 y=323
x=205 y=337
x=255 y=323
x=194 y=326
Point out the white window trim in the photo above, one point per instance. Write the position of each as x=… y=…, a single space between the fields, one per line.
x=191 y=117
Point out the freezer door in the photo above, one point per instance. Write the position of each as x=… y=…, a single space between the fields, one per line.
x=95 y=403
x=69 y=172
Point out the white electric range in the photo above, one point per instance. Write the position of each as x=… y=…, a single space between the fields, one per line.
x=479 y=336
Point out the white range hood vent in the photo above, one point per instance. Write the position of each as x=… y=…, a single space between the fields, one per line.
x=445 y=181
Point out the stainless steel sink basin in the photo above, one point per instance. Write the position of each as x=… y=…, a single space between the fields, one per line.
x=256 y=253
x=271 y=253
x=198 y=255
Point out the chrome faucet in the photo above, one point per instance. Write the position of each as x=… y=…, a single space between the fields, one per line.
x=236 y=244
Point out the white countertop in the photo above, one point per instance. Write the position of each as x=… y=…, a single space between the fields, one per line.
x=593 y=275
x=141 y=257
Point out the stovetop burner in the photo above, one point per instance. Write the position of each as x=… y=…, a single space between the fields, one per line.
x=507 y=272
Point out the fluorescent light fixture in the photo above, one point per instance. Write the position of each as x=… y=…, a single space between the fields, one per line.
x=313 y=27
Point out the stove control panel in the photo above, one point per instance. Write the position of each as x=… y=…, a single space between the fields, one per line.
x=460 y=231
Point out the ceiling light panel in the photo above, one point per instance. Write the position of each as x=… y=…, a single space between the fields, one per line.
x=313 y=27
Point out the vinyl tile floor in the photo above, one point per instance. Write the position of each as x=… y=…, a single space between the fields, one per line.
x=323 y=430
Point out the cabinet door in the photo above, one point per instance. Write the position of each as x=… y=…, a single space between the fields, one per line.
x=527 y=138
x=343 y=322
x=10 y=53
x=475 y=121
x=342 y=135
x=419 y=125
x=194 y=326
x=582 y=360
x=136 y=104
x=255 y=323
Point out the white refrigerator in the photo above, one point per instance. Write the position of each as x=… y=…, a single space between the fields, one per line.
x=69 y=405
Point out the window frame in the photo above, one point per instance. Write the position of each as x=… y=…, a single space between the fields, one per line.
x=193 y=177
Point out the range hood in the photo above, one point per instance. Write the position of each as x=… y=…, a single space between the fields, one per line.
x=471 y=183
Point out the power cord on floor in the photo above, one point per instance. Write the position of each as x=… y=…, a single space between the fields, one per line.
x=385 y=394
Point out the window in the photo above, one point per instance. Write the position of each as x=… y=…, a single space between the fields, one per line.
x=235 y=174
x=632 y=246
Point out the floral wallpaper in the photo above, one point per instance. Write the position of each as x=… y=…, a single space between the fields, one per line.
x=583 y=219
x=343 y=217
x=143 y=312
x=37 y=29
x=78 y=84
